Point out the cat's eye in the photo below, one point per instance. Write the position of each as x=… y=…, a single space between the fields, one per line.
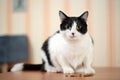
x=78 y=27
x=67 y=27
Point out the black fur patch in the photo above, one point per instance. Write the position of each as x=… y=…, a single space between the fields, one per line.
x=45 y=49
x=83 y=24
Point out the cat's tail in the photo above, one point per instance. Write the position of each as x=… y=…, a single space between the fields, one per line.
x=23 y=66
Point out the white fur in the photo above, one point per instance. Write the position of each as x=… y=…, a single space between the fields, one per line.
x=17 y=67
x=69 y=52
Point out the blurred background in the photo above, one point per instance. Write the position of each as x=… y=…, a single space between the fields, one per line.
x=38 y=19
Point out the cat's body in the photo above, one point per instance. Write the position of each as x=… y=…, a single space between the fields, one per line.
x=69 y=50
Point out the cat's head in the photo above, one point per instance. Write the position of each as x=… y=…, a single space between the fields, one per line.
x=73 y=28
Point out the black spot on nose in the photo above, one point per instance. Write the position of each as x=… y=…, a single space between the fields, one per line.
x=73 y=34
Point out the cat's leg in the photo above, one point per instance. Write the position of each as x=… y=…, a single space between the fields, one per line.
x=86 y=67
x=66 y=67
x=56 y=64
x=48 y=67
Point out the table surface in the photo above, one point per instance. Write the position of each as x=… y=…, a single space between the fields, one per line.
x=101 y=74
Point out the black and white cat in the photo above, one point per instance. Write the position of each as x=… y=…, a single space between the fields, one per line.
x=69 y=50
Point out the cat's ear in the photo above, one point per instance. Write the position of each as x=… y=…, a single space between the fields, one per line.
x=62 y=15
x=84 y=16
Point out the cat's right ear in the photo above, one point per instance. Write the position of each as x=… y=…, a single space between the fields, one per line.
x=62 y=15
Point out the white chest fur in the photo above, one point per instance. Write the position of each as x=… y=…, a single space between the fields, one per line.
x=73 y=52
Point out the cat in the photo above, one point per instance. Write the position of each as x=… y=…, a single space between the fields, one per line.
x=69 y=50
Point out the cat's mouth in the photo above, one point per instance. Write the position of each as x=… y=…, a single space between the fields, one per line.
x=72 y=37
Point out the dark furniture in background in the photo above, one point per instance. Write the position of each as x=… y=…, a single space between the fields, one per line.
x=13 y=49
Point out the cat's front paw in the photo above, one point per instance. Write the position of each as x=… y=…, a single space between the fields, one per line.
x=68 y=70
x=86 y=71
x=51 y=69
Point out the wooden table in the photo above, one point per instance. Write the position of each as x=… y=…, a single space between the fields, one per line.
x=101 y=74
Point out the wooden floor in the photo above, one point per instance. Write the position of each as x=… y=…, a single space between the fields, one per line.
x=101 y=74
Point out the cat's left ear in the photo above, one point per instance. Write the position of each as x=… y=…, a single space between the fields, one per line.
x=84 y=16
x=62 y=15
